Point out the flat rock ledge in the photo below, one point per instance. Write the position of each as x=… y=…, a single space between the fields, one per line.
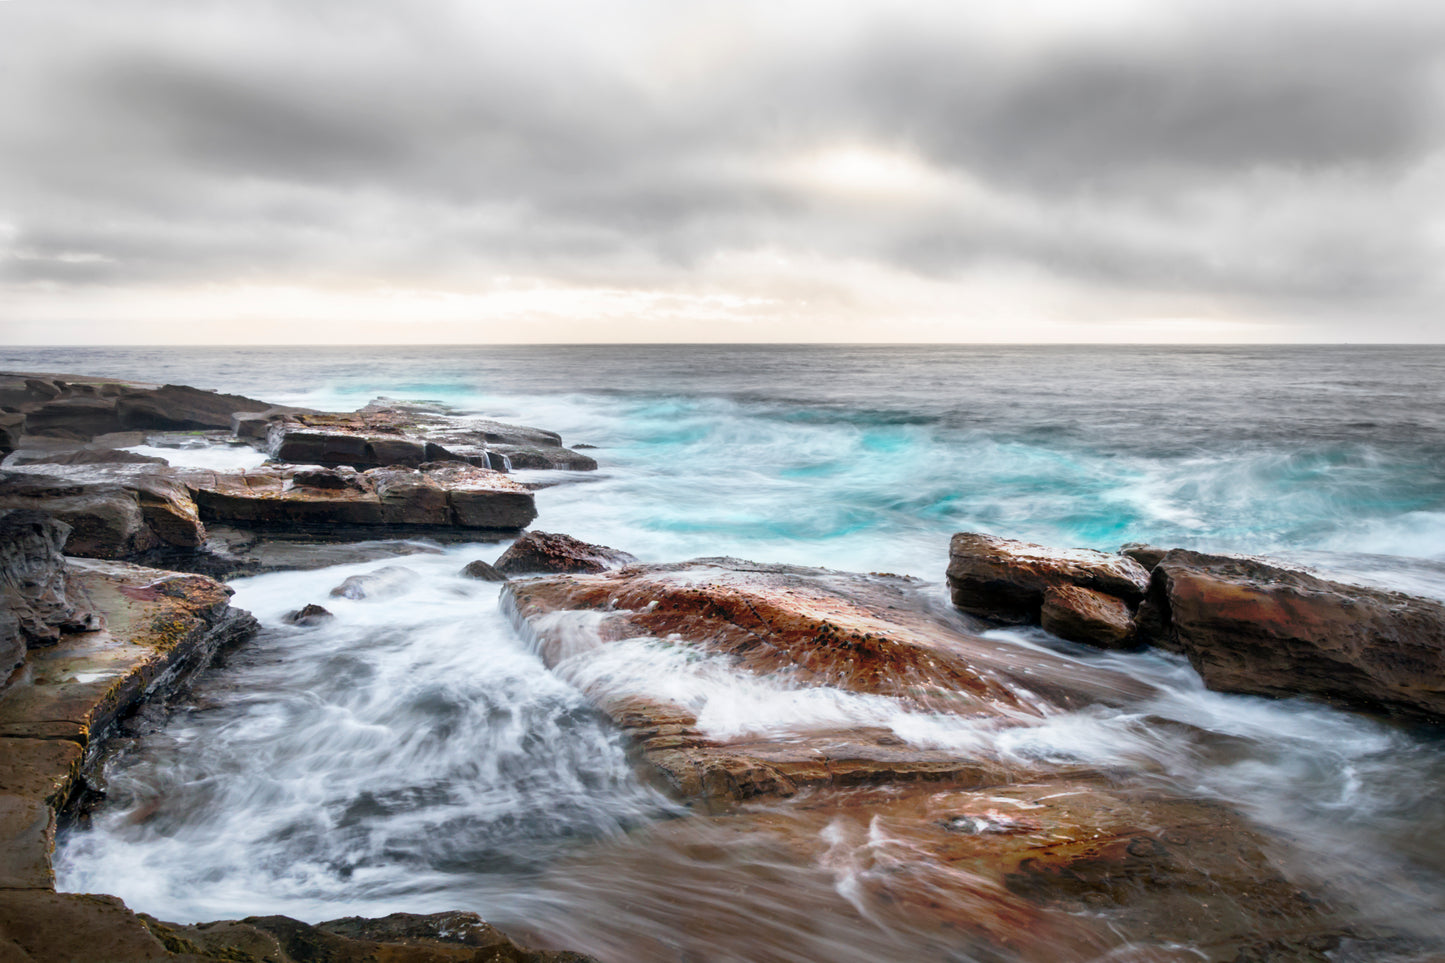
x=996 y=859
x=1246 y=625
x=149 y=632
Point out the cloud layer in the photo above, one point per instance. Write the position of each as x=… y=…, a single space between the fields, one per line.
x=236 y=170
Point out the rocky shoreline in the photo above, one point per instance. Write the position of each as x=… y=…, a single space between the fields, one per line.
x=1003 y=859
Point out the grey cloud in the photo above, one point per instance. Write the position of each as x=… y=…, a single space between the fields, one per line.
x=336 y=138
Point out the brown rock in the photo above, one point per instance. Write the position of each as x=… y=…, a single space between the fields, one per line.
x=547 y=552
x=105 y=518
x=1004 y=580
x=862 y=633
x=80 y=418
x=484 y=571
x=438 y=501
x=1146 y=555
x=83 y=456
x=311 y=614
x=181 y=408
x=1083 y=615
x=1252 y=627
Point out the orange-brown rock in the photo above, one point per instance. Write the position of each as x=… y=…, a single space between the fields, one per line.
x=434 y=500
x=1083 y=615
x=1005 y=580
x=1249 y=626
x=537 y=552
x=867 y=634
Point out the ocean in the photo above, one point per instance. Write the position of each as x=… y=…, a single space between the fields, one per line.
x=415 y=756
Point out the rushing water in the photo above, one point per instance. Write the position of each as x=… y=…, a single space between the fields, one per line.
x=415 y=755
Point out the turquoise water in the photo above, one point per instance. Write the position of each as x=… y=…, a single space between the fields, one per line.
x=415 y=755
x=868 y=458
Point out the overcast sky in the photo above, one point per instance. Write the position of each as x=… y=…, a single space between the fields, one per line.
x=244 y=171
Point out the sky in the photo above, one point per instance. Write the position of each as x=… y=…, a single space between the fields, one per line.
x=457 y=171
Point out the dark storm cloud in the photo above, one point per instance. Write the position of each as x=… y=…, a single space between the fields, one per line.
x=1225 y=150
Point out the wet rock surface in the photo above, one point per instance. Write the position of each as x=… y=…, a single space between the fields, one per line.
x=390 y=433
x=1252 y=627
x=987 y=856
x=537 y=552
x=1006 y=580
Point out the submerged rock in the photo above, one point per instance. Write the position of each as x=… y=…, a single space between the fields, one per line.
x=311 y=614
x=483 y=571
x=538 y=552
x=390 y=580
x=1252 y=627
x=1005 y=580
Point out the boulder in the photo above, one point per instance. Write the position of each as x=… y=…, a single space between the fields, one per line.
x=1253 y=627
x=484 y=571
x=1083 y=615
x=547 y=552
x=1005 y=580
x=387 y=581
x=311 y=614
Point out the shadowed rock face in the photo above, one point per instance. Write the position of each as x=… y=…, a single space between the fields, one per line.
x=36 y=603
x=1005 y=580
x=1248 y=626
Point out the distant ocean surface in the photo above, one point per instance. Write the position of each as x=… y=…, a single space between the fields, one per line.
x=869 y=457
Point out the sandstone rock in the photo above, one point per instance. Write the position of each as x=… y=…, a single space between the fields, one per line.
x=1252 y=627
x=551 y=457
x=33 y=588
x=104 y=518
x=1083 y=615
x=484 y=571
x=79 y=418
x=83 y=456
x=181 y=408
x=114 y=511
x=441 y=501
x=390 y=580
x=546 y=552
x=160 y=628
x=311 y=614
x=1005 y=580
x=1146 y=555
x=867 y=634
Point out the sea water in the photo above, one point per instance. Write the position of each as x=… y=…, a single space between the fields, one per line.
x=415 y=755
